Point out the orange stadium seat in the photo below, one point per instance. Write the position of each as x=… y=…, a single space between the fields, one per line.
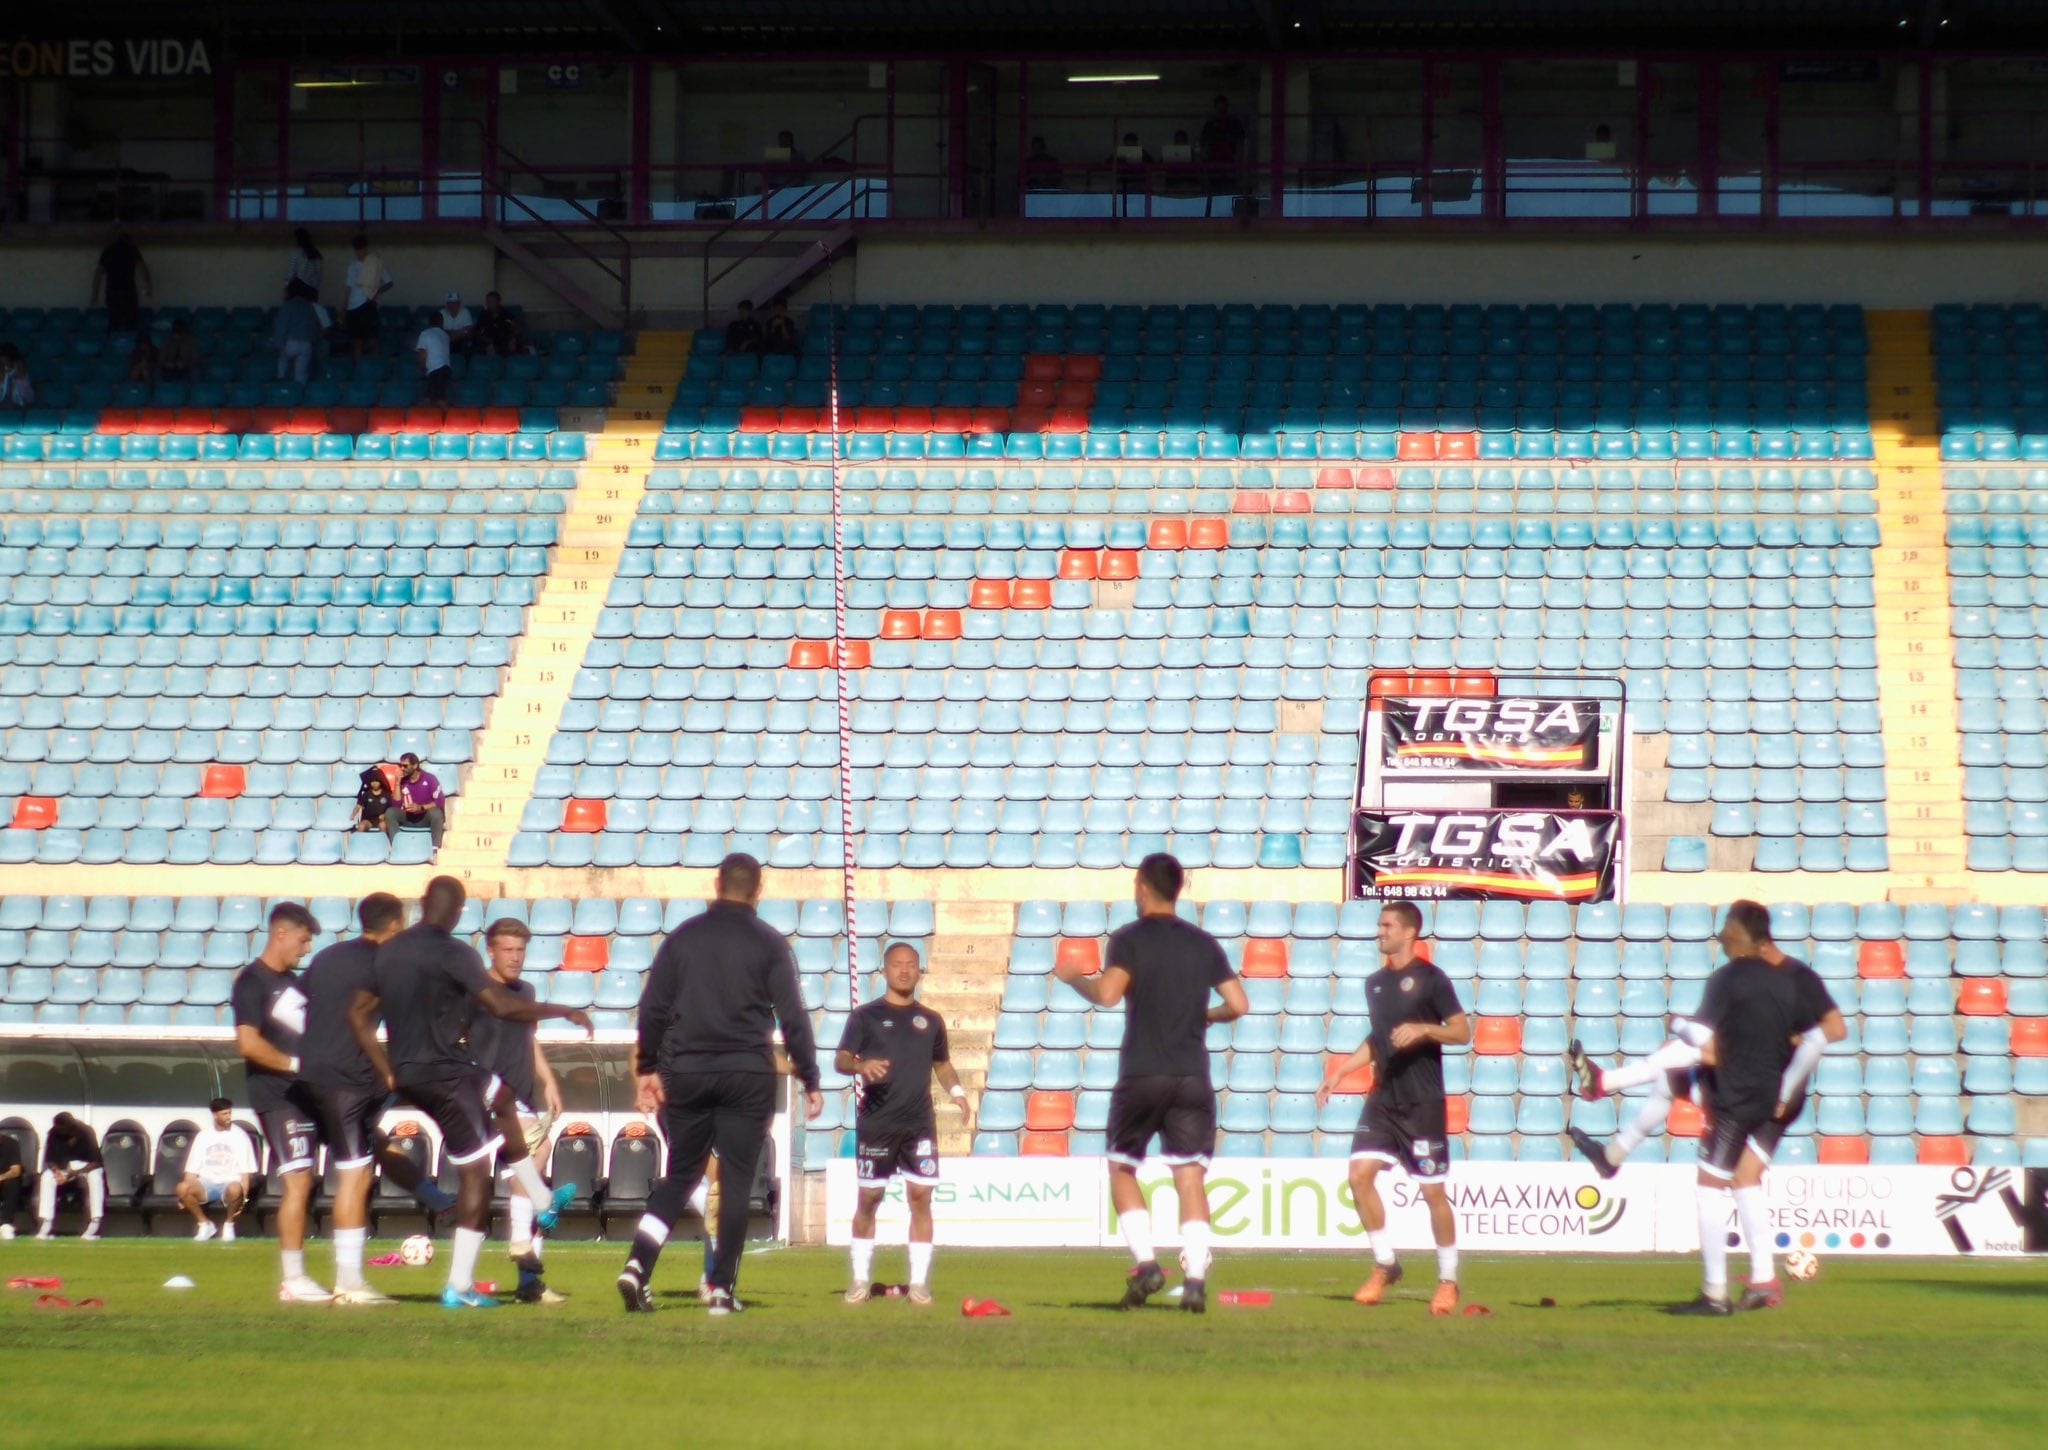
x=1464 y=446
x=1030 y=594
x=2030 y=1037
x=1379 y=479
x=1420 y=447
x=1083 y=367
x=1844 y=1150
x=1118 y=564
x=1457 y=1114
x=900 y=623
x=1498 y=1037
x=1982 y=997
x=1167 y=534
x=1880 y=960
x=1945 y=1152
x=1355 y=1083
x=223 y=782
x=1048 y=1112
x=1249 y=502
x=1264 y=957
x=1209 y=534
x=1291 y=501
x=1043 y=1145
x=1084 y=952
x=584 y=817
x=35 y=813
x=940 y=624
x=1685 y=1119
x=989 y=594
x=586 y=953
x=1079 y=564
x=810 y=654
x=1335 y=477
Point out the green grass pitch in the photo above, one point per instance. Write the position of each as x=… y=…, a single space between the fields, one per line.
x=1891 y=1352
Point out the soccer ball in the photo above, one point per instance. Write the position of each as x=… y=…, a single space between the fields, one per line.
x=417 y=1250
x=1802 y=1265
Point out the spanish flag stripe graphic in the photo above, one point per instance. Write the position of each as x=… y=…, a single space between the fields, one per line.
x=1499 y=754
x=1565 y=887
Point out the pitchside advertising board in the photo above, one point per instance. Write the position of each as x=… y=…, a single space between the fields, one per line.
x=1305 y=1203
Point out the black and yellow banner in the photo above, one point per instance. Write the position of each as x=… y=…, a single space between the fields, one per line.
x=1510 y=855
x=1510 y=735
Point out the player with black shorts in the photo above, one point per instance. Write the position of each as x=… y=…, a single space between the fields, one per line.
x=1415 y=1014
x=1757 y=1006
x=428 y=985
x=1163 y=969
x=270 y=1020
x=894 y=1045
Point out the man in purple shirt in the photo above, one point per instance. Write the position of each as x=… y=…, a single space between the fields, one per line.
x=419 y=799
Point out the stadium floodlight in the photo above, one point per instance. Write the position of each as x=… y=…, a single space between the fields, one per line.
x=1117 y=79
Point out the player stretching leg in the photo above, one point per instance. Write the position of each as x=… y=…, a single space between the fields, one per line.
x=270 y=1020
x=428 y=987
x=512 y=1051
x=894 y=1045
x=1669 y=1073
x=1165 y=969
x=1415 y=1015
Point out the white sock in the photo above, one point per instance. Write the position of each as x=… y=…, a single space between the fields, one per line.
x=469 y=1242
x=920 y=1263
x=1382 y=1245
x=1137 y=1226
x=863 y=1261
x=348 y=1257
x=519 y=1209
x=294 y=1263
x=700 y=1198
x=1447 y=1263
x=1651 y=1116
x=527 y=1176
x=651 y=1227
x=1753 y=1212
x=1671 y=1057
x=537 y=1245
x=1194 y=1249
x=1713 y=1241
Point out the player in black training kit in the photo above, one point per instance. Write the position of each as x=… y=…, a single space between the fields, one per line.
x=1165 y=969
x=347 y=1095
x=894 y=1045
x=512 y=1053
x=427 y=988
x=270 y=1021
x=1415 y=1015
x=1757 y=1005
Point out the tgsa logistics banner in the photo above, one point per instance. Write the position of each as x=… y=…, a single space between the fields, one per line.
x=1518 y=855
x=1294 y=1203
x=1493 y=737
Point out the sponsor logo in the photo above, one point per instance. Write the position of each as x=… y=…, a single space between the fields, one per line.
x=1603 y=1210
x=1554 y=855
x=1513 y=734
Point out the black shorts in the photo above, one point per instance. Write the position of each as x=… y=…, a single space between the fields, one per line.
x=348 y=1123
x=361 y=322
x=293 y=1130
x=1729 y=1132
x=459 y=1109
x=911 y=1153
x=1415 y=1139
x=1181 y=1111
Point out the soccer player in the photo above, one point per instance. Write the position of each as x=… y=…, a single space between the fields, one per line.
x=1756 y=1010
x=1165 y=968
x=270 y=1021
x=511 y=1051
x=894 y=1045
x=720 y=985
x=428 y=986
x=348 y=1095
x=1415 y=1015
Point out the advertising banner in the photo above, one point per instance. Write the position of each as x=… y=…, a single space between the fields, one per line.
x=1490 y=737
x=1521 y=855
x=1305 y=1203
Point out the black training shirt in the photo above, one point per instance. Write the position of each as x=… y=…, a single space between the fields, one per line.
x=911 y=1040
x=1174 y=965
x=329 y=1055
x=272 y=1003
x=1419 y=992
x=720 y=985
x=1755 y=1011
x=428 y=983
x=506 y=1048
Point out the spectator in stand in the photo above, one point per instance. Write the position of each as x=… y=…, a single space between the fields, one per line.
x=307 y=265
x=297 y=333
x=743 y=333
x=123 y=282
x=1222 y=135
x=1041 y=167
x=71 y=1154
x=786 y=141
x=13 y=1184
x=458 y=322
x=220 y=1167
x=497 y=331
x=432 y=349
x=780 y=335
x=419 y=801
x=17 y=388
x=373 y=801
x=178 y=361
x=368 y=280
x=143 y=359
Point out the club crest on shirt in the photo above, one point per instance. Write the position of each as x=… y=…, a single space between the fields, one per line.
x=920 y=1022
x=1407 y=984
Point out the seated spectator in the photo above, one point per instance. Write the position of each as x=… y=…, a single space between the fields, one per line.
x=1041 y=167
x=497 y=331
x=786 y=141
x=17 y=389
x=780 y=335
x=420 y=801
x=220 y=1167
x=458 y=322
x=71 y=1154
x=179 y=360
x=13 y=1184
x=142 y=360
x=432 y=349
x=373 y=800
x=743 y=333
x=297 y=333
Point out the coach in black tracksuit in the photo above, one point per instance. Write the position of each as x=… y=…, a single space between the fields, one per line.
x=720 y=985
